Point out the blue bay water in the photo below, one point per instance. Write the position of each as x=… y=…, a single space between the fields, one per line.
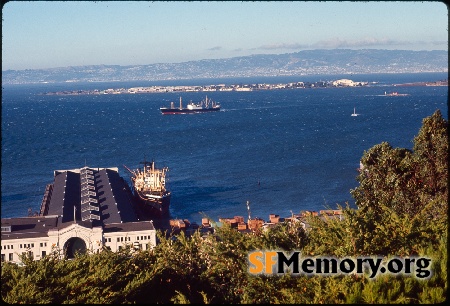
x=281 y=150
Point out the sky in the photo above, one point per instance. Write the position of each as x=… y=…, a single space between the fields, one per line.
x=50 y=34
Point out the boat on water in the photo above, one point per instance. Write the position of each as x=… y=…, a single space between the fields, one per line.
x=204 y=106
x=395 y=94
x=149 y=189
x=354 y=112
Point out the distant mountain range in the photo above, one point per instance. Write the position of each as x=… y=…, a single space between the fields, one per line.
x=309 y=62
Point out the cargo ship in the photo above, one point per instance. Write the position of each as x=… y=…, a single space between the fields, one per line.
x=149 y=189
x=204 y=106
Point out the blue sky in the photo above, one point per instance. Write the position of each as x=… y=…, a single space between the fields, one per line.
x=41 y=34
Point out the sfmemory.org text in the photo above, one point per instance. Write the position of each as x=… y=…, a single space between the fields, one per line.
x=277 y=262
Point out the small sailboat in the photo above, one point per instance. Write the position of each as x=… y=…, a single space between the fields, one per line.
x=354 y=112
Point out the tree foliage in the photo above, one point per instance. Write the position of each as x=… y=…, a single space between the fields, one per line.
x=402 y=211
x=407 y=181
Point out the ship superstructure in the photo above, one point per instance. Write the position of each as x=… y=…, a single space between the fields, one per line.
x=204 y=106
x=149 y=187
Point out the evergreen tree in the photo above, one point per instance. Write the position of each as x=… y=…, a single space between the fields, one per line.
x=431 y=157
x=403 y=180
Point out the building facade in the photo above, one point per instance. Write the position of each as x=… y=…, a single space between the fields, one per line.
x=83 y=210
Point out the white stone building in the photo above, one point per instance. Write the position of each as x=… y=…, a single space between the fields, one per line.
x=84 y=210
x=344 y=82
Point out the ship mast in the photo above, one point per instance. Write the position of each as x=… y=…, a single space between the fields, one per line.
x=129 y=170
x=144 y=163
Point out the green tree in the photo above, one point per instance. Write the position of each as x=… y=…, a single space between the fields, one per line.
x=407 y=181
x=386 y=180
x=431 y=156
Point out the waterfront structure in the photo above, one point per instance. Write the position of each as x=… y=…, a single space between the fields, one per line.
x=83 y=210
x=255 y=224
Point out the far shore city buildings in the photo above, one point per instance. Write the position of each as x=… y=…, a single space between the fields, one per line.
x=89 y=209
x=212 y=88
x=341 y=83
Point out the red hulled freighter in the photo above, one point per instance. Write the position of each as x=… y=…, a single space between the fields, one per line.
x=204 y=106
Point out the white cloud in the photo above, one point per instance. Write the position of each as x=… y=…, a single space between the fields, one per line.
x=365 y=42
x=283 y=46
x=336 y=43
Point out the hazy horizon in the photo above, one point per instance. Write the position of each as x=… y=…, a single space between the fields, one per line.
x=256 y=54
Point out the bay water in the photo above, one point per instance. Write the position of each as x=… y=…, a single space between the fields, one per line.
x=284 y=151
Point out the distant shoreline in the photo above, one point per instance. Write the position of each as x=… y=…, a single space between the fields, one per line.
x=437 y=83
x=240 y=87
